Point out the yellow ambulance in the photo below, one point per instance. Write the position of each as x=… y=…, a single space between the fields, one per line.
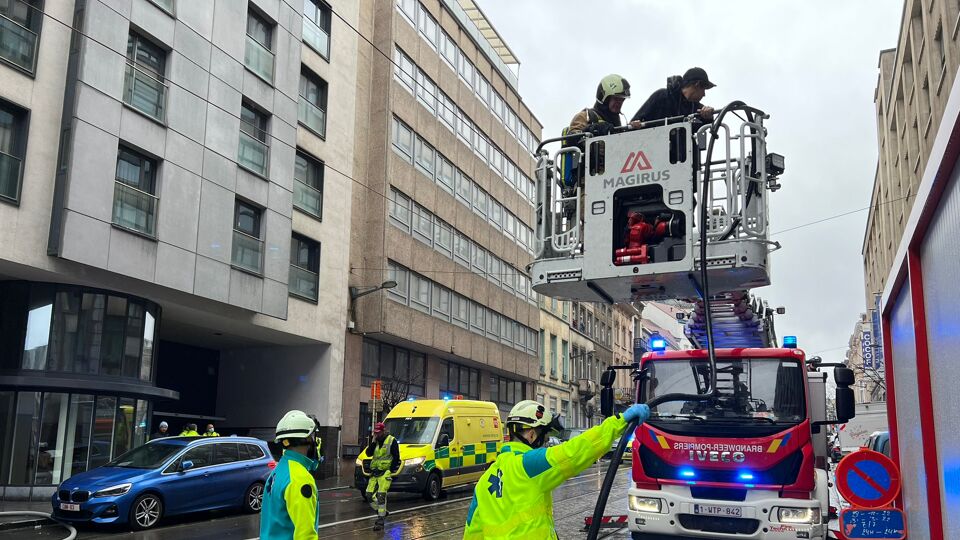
x=443 y=443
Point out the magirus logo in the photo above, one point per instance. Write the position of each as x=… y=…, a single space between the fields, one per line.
x=633 y=166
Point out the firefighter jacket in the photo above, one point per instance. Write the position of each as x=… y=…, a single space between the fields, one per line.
x=514 y=499
x=290 y=509
x=383 y=457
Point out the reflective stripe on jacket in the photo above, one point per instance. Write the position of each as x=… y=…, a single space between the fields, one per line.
x=382 y=458
x=514 y=499
x=290 y=509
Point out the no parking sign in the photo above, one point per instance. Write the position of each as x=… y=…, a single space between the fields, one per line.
x=870 y=481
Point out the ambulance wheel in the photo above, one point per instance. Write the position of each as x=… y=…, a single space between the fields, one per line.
x=432 y=490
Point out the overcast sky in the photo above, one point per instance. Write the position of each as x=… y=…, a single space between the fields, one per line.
x=811 y=65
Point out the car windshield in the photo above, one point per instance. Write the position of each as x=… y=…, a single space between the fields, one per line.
x=416 y=430
x=764 y=390
x=148 y=456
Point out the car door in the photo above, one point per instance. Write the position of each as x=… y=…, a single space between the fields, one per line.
x=448 y=456
x=228 y=476
x=189 y=490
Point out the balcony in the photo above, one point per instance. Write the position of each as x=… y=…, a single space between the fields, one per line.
x=144 y=92
x=253 y=152
x=134 y=209
x=9 y=176
x=317 y=38
x=18 y=44
x=303 y=282
x=312 y=116
x=259 y=60
x=307 y=198
x=247 y=252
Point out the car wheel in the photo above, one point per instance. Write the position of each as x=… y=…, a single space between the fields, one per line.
x=253 y=498
x=145 y=512
x=432 y=490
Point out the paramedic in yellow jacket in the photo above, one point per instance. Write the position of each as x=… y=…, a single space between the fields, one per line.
x=514 y=499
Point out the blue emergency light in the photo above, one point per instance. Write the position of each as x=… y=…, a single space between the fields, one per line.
x=789 y=342
x=745 y=475
x=687 y=472
x=657 y=343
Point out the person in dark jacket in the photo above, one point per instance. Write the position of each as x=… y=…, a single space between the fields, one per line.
x=681 y=97
x=385 y=463
x=162 y=432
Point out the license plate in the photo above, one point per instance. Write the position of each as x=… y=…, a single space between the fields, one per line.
x=714 y=510
x=70 y=507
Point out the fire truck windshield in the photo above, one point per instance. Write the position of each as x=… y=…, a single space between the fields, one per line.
x=761 y=390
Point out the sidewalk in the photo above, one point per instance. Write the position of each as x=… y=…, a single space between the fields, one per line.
x=344 y=479
x=16 y=522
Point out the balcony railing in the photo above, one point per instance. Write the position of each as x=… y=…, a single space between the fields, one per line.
x=134 y=209
x=9 y=176
x=145 y=92
x=247 y=252
x=303 y=282
x=312 y=116
x=252 y=152
x=18 y=44
x=259 y=59
x=317 y=38
x=307 y=198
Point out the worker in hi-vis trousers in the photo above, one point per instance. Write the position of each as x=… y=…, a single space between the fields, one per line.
x=384 y=464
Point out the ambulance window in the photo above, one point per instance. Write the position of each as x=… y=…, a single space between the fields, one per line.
x=446 y=428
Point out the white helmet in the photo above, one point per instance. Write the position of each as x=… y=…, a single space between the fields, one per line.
x=529 y=413
x=295 y=425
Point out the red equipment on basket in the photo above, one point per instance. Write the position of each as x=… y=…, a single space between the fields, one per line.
x=638 y=235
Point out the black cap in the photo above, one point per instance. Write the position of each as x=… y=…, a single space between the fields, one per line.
x=696 y=74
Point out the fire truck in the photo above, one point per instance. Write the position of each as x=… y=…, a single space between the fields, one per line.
x=679 y=210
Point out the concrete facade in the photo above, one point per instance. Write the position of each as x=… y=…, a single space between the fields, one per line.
x=912 y=90
x=555 y=387
x=870 y=383
x=63 y=227
x=444 y=155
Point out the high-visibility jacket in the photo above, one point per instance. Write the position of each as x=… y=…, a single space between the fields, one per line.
x=514 y=499
x=189 y=433
x=382 y=458
x=290 y=509
x=210 y=434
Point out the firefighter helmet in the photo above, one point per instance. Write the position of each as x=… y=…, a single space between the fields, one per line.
x=530 y=414
x=612 y=85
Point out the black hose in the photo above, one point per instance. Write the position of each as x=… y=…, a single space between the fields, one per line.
x=711 y=354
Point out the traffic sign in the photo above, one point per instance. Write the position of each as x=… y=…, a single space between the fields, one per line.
x=868 y=479
x=375 y=390
x=884 y=523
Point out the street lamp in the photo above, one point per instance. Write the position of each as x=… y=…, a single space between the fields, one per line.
x=357 y=292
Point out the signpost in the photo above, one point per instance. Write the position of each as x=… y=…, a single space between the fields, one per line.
x=870 y=481
x=376 y=401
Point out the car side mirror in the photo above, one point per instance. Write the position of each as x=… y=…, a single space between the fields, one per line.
x=843 y=376
x=606 y=401
x=608 y=377
x=186 y=465
x=444 y=440
x=846 y=404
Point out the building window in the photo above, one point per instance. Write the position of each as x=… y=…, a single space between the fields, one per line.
x=134 y=199
x=426 y=157
x=459 y=380
x=312 y=110
x=20 y=32
x=565 y=367
x=258 y=56
x=405 y=71
x=316 y=26
x=441 y=302
x=304 y=267
x=461 y=311
x=553 y=356
x=144 y=88
x=254 y=151
x=420 y=293
x=422 y=224
x=401 y=370
x=166 y=5
x=13 y=146
x=506 y=391
x=247 y=243
x=543 y=358
x=308 y=185
x=399 y=274
x=403 y=139
x=400 y=209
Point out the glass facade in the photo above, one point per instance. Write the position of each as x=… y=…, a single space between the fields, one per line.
x=65 y=337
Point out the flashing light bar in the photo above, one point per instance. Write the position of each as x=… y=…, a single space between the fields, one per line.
x=745 y=476
x=657 y=343
x=789 y=342
x=688 y=473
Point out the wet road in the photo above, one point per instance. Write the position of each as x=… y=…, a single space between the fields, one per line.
x=344 y=514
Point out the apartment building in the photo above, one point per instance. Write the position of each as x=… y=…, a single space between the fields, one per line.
x=861 y=357
x=444 y=208
x=175 y=188
x=912 y=89
x=555 y=384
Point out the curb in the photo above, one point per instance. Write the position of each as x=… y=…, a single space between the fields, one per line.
x=24 y=524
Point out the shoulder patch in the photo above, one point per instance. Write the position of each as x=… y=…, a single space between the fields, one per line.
x=306 y=490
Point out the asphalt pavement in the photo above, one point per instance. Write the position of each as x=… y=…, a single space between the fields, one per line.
x=344 y=514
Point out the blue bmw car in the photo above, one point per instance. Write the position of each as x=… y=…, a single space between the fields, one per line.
x=165 y=477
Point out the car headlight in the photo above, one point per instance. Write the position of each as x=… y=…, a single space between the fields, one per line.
x=413 y=462
x=113 y=491
x=645 y=504
x=798 y=515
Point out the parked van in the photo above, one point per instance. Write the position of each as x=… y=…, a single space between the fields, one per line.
x=443 y=443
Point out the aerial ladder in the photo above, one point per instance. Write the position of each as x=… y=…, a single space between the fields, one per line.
x=679 y=210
